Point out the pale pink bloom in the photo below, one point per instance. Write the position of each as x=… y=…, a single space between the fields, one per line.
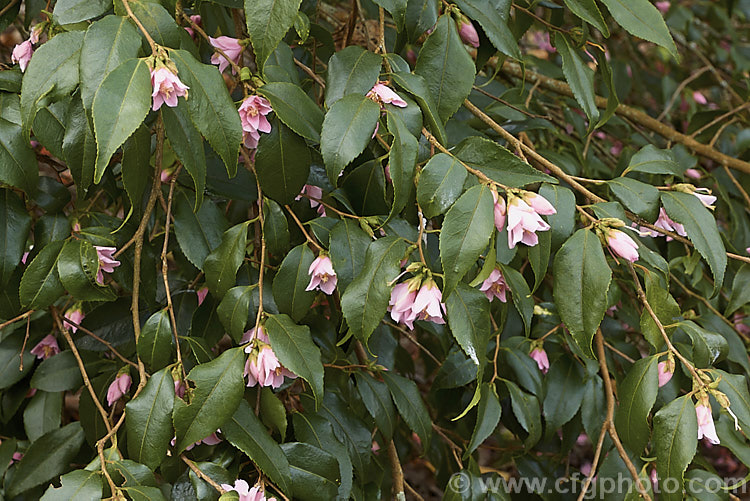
x=541 y=39
x=375 y=446
x=253 y=111
x=24 y=257
x=665 y=373
x=622 y=245
x=46 y=348
x=540 y=357
x=107 y=261
x=523 y=223
x=540 y=204
x=17 y=456
x=663 y=6
x=654 y=478
x=322 y=275
x=494 y=286
x=167 y=88
x=665 y=223
x=179 y=388
x=693 y=173
x=314 y=193
x=201 y=292
x=616 y=148
x=247 y=493
x=704 y=195
x=385 y=95
x=401 y=302
x=706 y=423
x=197 y=20
x=119 y=387
x=76 y=316
x=699 y=98
x=252 y=334
x=428 y=304
x=500 y=211
x=468 y=33
x=738 y=318
x=231 y=47
x=34 y=35
x=22 y=54
x=586 y=468
x=263 y=368
x=212 y=439
x=411 y=56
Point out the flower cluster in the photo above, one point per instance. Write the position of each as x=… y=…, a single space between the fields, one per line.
x=253 y=111
x=523 y=214
x=417 y=298
x=263 y=367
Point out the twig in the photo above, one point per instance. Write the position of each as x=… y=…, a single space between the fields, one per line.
x=302 y=227
x=202 y=475
x=310 y=72
x=679 y=90
x=397 y=472
x=103 y=341
x=16 y=319
x=146 y=34
x=738 y=186
x=23 y=346
x=8 y=7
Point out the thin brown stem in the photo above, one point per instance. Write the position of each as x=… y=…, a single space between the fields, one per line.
x=738 y=186
x=103 y=341
x=302 y=228
x=16 y=319
x=201 y=475
x=8 y=7
x=145 y=32
x=311 y=73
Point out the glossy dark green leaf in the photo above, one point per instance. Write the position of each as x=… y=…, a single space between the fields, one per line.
x=397 y=10
x=493 y=16
x=582 y=278
x=564 y=392
x=638 y=197
x=159 y=23
x=364 y=189
x=235 y=312
x=734 y=386
x=403 y=160
x=521 y=295
x=267 y=23
x=10 y=360
x=42 y=414
x=348 y=247
x=469 y=321
x=282 y=163
x=488 y=417
x=148 y=419
x=222 y=264
x=136 y=167
x=418 y=88
x=642 y=19
x=295 y=108
x=410 y=405
x=440 y=184
x=708 y=347
x=314 y=472
x=589 y=12
x=290 y=283
x=421 y=15
x=198 y=233
x=675 y=440
x=665 y=308
x=78 y=485
x=579 y=76
x=637 y=394
x=79 y=146
x=187 y=143
x=155 y=342
x=15 y=224
x=351 y=70
x=40 y=285
x=275 y=228
x=57 y=373
x=740 y=294
x=526 y=409
x=377 y=400
x=652 y=160
x=17 y=160
x=77 y=267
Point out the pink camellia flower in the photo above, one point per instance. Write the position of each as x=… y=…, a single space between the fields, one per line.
x=246 y=493
x=264 y=369
x=107 y=262
x=699 y=98
x=197 y=20
x=693 y=173
x=167 y=88
x=212 y=439
x=665 y=223
x=523 y=223
x=402 y=300
x=738 y=320
x=179 y=388
x=253 y=111
x=665 y=371
x=540 y=357
x=76 y=316
x=500 y=210
x=663 y=6
x=541 y=39
x=313 y=192
x=704 y=195
x=252 y=334
x=540 y=204
x=119 y=387
x=22 y=54
x=231 y=47
x=322 y=275
x=468 y=33
x=428 y=303
x=616 y=148
x=46 y=348
x=622 y=245
x=494 y=286
x=17 y=456
x=201 y=292
x=385 y=95
x=706 y=423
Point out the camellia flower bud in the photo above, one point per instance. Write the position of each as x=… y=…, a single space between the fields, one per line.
x=22 y=54
x=622 y=244
x=500 y=210
x=167 y=88
x=46 y=348
x=229 y=46
x=107 y=262
x=494 y=286
x=467 y=32
x=539 y=356
x=75 y=315
x=119 y=387
x=665 y=371
x=322 y=275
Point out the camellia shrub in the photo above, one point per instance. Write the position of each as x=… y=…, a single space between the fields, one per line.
x=374 y=249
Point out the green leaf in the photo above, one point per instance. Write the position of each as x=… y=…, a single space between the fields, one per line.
x=410 y=405
x=708 y=347
x=377 y=400
x=701 y=229
x=564 y=392
x=403 y=160
x=219 y=386
x=347 y=129
x=40 y=285
x=441 y=182
x=42 y=414
x=272 y=411
x=314 y=472
x=488 y=417
x=642 y=19
x=148 y=420
x=155 y=341
x=275 y=227
x=290 y=283
x=136 y=167
x=466 y=232
x=397 y=10
x=417 y=87
x=79 y=146
x=652 y=160
x=564 y=221
x=522 y=299
x=637 y=394
x=198 y=233
x=351 y=70
x=365 y=301
x=348 y=247
x=421 y=15
x=734 y=386
x=119 y=108
x=145 y=493
x=234 y=310
x=108 y=43
x=159 y=23
x=211 y=108
x=282 y=163
x=267 y=23
x=295 y=108
x=675 y=440
x=222 y=264
x=245 y=431
x=15 y=224
x=492 y=16
x=539 y=257
x=589 y=12
x=46 y=458
x=294 y=347
x=740 y=294
x=579 y=76
x=78 y=485
x=526 y=409
x=498 y=163
x=52 y=73
x=18 y=165
x=447 y=67
x=638 y=197
x=75 y=11
x=187 y=143
x=364 y=189
x=77 y=267
x=10 y=351
x=582 y=278
x=665 y=307
x=469 y=321
x=58 y=373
